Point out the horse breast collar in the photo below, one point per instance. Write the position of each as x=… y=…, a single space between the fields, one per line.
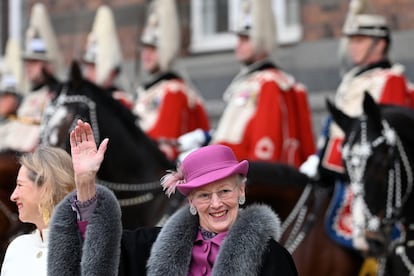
x=356 y=156
x=56 y=112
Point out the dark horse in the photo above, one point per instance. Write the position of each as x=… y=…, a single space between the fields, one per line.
x=133 y=163
x=302 y=206
x=379 y=156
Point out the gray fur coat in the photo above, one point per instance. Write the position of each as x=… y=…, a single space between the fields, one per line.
x=240 y=254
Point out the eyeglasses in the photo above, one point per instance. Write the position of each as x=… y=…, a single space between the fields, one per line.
x=223 y=194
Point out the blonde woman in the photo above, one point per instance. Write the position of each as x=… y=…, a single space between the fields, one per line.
x=44 y=178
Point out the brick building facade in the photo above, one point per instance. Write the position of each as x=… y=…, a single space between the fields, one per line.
x=320 y=19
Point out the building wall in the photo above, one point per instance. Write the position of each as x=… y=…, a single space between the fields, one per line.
x=324 y=18
x=321 y=19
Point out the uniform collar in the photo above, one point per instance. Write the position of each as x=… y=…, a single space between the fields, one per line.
x=160 y=77
x=382 y=64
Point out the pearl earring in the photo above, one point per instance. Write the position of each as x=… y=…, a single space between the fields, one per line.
x=242 y=200
x=193 y=210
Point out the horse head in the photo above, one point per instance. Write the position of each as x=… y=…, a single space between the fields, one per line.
x=133 y=163
x=378 y=156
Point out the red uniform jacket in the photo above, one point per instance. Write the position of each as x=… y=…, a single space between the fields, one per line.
x=267 y=117
x=168 y=108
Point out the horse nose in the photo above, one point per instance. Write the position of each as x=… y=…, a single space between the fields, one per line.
x=376 y=244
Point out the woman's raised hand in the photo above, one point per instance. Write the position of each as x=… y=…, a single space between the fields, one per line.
x=86 y=159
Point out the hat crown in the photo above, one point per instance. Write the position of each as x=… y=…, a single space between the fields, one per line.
x=162 y=30
x=256 y=19
x=103 y=47
x=206 y=160
x=41 y=42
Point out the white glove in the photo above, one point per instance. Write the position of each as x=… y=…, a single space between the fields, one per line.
x=191 y=140
x=310 y=166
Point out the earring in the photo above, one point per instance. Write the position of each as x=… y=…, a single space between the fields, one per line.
x=242 y=200
x=193 y=210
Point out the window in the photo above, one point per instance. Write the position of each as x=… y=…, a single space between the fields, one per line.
x=4 y=9
x=10 y=23
x=211 y=21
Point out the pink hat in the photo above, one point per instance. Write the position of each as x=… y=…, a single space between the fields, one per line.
x=204 y=166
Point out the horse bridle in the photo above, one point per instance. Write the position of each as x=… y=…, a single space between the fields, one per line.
x=356 y=156
x=63 y=99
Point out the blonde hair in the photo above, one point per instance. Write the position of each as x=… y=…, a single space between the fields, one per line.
x=51 y=169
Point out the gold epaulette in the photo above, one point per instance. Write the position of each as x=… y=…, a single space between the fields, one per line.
x=23 y=120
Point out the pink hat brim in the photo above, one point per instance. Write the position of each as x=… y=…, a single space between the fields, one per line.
x=218 y=174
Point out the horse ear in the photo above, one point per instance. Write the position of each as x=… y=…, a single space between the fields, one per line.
x=340 y=118
x=76 y=74
x=372 y=110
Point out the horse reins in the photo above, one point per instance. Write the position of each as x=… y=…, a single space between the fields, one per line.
x=302 y=226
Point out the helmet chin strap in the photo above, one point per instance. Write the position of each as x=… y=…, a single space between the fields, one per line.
x=374 y=43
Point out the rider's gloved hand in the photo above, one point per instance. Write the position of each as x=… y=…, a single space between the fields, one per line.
x=193 y=140
x=310 y=166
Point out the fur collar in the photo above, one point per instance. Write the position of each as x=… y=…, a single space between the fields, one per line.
x=240 y=253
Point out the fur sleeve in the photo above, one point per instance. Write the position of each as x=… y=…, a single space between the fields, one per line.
x=99 y=253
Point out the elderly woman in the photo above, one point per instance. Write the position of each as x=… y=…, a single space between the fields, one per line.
x=44 y=178
x=210 y=236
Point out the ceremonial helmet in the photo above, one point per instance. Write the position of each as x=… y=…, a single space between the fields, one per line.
x=360 y=21
x=11 y=78
x=162 y=31
x=102 y=47
x=257 y=21
x=40 y=40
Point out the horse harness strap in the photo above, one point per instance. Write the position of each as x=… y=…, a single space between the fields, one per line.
x=131 y=187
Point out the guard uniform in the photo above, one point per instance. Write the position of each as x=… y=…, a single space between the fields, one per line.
x=267 y=117
x=168 y=108
x=103 y=52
